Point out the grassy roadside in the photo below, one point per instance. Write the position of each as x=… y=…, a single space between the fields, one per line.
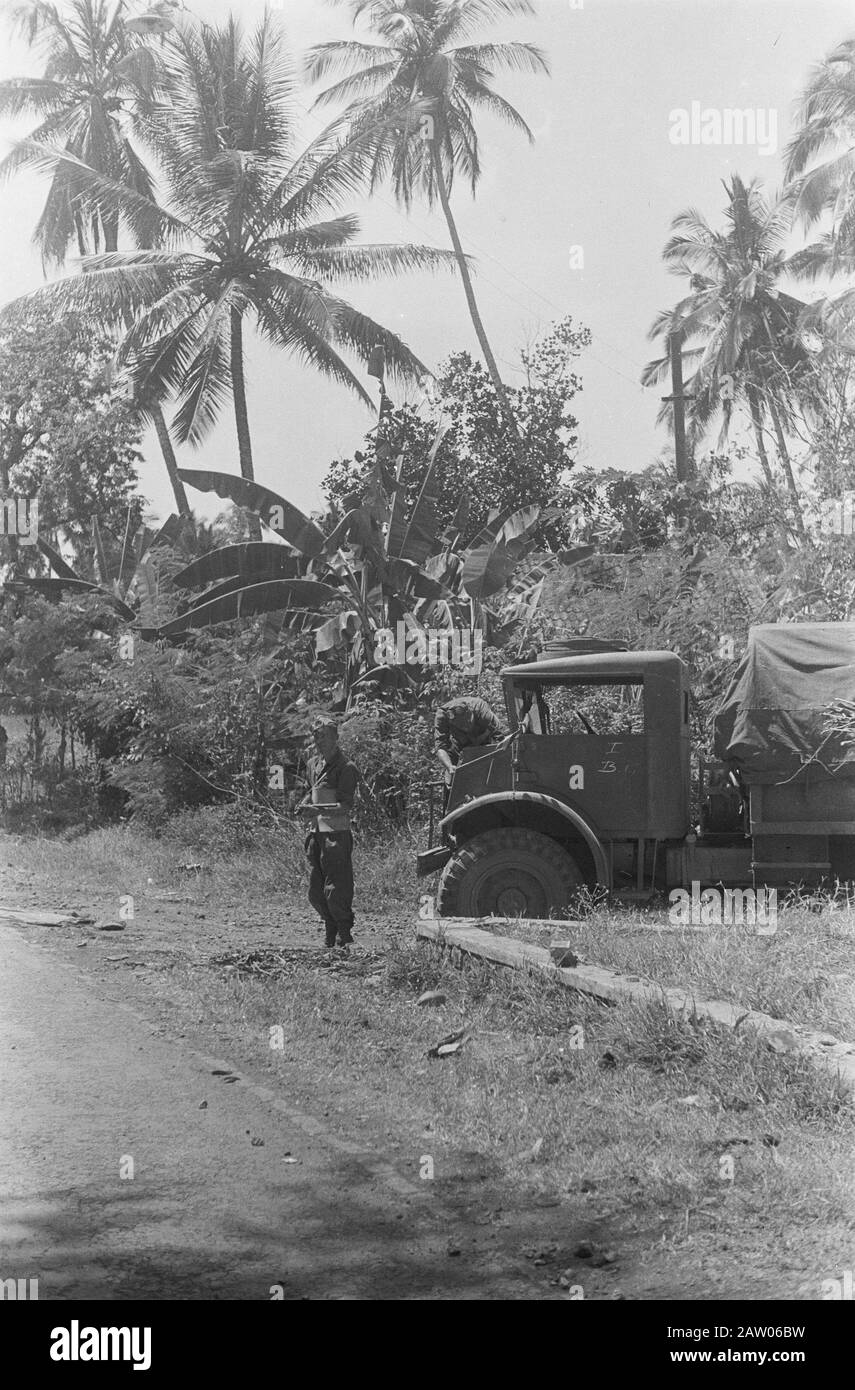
x=804 y=973
x=642 y=1110
x=674 y=1145
x=633 y=1127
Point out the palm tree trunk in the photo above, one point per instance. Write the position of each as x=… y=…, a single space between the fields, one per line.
x=241 y=414
x=165 y=441
x=787 y=467
x=239 y=391
x=757 y=422
x=480 y=331
x=111 y=243
x=782 y=443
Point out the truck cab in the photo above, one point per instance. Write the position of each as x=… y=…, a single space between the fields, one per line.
x=591 y=782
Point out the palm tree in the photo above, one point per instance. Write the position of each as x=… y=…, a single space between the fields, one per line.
x=745 y=329
x=96 y=81
x=826 y=127
x=820 y=169
x=239 y=236
x=412 y=100
x=95 y=78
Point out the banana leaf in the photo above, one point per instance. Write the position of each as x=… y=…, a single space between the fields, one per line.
x=291 y=523
x=453 y=532
x=144 y=584
x=146 y=541
x=168 y=534
x=101 y=558
x=127 y=560
x=519 y=523
x=409 y=579
x=334 y=632
x=490 y=561
x=488 y=533
x=488 y=569
x=249 y=602
x=356 y=528
x=57 y=563
x=420 y=538
x=54 y=588
x=443 y=567
x=248 y=560
x=397 y=525
x=225 y=586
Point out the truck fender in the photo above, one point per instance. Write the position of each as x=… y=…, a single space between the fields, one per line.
x=585 y=829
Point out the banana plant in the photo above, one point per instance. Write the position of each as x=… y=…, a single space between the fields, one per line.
x=382 y=563
x=369 y=564
x=126 y=587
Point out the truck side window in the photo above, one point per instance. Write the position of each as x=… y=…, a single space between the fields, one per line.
x=528 y=708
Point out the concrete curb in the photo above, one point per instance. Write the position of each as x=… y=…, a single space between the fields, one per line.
x=823 y=1051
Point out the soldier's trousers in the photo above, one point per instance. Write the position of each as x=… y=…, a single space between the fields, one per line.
x=330 y=857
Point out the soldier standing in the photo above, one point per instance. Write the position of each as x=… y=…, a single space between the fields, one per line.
x=329 y=842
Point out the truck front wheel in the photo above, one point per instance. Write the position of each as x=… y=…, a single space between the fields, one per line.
x=508 y=873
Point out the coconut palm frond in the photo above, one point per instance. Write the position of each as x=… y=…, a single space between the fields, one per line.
x=504 y=57
x=372 y=262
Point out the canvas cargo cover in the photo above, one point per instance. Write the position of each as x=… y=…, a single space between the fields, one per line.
x=771 y=721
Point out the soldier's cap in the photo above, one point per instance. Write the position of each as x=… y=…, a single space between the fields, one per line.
x=323 y=721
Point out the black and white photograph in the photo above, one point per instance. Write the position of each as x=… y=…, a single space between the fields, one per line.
x=427 y=666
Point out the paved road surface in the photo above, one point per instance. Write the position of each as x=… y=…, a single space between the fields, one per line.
x=86 y=1084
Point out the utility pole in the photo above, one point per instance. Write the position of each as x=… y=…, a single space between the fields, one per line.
x=678 y=398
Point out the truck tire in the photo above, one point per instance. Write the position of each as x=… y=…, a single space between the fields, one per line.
x=508 y=873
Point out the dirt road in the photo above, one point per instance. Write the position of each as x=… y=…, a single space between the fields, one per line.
x=129 y=1169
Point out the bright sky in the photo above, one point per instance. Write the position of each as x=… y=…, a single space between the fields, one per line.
x=603 y=175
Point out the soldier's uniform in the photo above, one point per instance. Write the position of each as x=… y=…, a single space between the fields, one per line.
x=465 y=722
x=329 y=847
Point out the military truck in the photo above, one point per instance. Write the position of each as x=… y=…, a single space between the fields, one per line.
x=594 y=784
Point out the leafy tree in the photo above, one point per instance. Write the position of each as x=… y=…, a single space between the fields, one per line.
x=47 y=652
x=412 y=101
x=195 y=725
x=650 y=510
x=248 y=204
x=478 y=469
x=68 y=434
